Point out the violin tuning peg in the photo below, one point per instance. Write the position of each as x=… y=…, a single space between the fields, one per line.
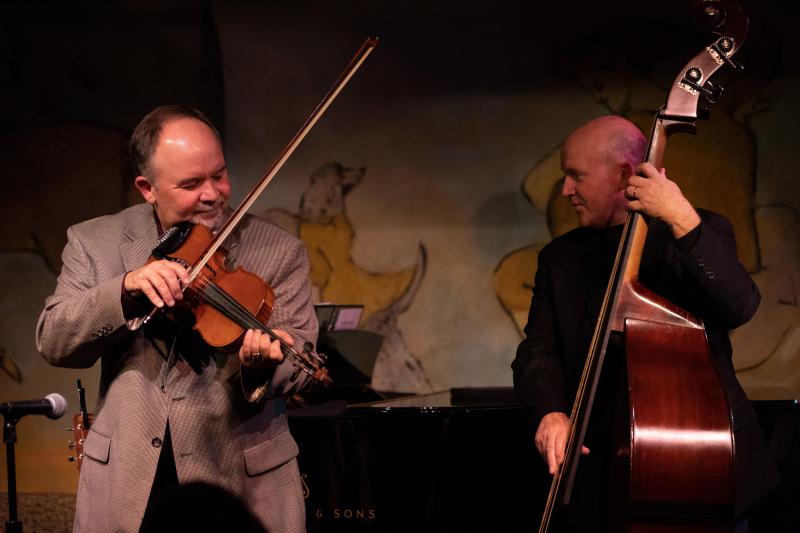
x=71 y=459
x=308 y=347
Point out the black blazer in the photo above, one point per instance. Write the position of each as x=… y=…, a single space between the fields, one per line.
x=699 y=272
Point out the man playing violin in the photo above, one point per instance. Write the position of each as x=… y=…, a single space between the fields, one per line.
x=689 y=258
x=171 y=410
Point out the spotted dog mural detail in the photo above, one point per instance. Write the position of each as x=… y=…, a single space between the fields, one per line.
x=323 y=225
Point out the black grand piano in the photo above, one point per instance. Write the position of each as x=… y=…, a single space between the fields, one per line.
x=463 y=460
x=456 y=460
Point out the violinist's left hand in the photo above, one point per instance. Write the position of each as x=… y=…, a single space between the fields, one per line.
x=657 y=196
x=259 y=351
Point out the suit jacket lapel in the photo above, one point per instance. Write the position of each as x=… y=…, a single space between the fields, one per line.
x=143 y=235
x=231 y=244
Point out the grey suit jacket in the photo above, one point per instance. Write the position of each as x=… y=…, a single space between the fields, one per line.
x=228 y=427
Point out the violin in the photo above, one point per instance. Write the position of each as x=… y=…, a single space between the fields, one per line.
x=227 y=303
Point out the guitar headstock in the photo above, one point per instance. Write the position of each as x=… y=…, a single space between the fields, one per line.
x=81 y=422
x=79 y=433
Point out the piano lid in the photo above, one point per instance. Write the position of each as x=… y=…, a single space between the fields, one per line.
x=457 y=400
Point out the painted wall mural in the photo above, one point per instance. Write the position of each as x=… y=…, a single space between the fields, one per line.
x=68 y=106
x=323 y=225
x=718 y=169
x=76 y=178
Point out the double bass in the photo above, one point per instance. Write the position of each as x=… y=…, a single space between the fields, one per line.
x=674 y=448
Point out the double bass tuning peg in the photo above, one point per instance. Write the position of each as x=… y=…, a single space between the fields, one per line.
x=721 y=50
x=712 y=92
x=692 y=81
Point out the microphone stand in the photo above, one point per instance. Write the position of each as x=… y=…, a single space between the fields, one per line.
x=9 y=438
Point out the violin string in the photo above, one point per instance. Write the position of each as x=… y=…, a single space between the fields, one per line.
x=226 y=304
x=243 y=313
x=234 y=310
x=231 y=308
x=223 y=302
x=307 y=362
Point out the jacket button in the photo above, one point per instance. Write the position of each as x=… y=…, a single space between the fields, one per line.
x=156 y=442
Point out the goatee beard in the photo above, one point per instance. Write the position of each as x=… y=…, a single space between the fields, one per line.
x=213 y=219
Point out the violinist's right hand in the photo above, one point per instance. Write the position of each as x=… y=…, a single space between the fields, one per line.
x=551 y=439
x=161 y=281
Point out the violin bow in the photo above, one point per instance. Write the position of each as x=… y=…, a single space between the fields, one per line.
x=355 y=63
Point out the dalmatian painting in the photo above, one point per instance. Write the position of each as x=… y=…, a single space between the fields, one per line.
x=323 y=225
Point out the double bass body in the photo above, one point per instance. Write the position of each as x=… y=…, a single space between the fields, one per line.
x=674 y=450
x=675 y=456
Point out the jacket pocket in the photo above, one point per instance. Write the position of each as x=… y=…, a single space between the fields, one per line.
x=97 y=446
x=270 y=454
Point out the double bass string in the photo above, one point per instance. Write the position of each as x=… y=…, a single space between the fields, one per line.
x=579 y=407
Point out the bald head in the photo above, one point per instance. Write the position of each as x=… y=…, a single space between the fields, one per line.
x=145 y=138
x=597 y=159
x=617 y=139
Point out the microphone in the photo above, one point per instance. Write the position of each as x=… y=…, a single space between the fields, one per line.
x=52 y=406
